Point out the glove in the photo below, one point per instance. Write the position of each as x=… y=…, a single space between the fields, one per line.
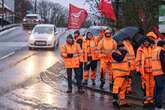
x=79 y=41
x=123 y=51
x=69 y=55
x=88 y=63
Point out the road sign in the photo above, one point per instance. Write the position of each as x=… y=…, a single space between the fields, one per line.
x=162 y=18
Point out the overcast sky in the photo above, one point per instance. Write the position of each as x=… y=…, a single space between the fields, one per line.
x=79 y=3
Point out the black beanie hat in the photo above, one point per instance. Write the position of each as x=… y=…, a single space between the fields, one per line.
x=70 y=36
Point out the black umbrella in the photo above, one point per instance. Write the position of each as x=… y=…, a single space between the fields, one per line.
x=133 y=33
x=128 y=32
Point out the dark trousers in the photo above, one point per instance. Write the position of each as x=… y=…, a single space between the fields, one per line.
x=92 y=65
x=78 y=77
x=159 y=88
x=81 y=69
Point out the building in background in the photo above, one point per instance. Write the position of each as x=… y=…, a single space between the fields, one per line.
x=7 y=11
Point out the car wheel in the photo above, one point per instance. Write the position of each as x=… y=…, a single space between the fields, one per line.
x=30 y=48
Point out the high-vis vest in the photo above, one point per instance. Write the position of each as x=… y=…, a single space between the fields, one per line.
x=139 y=60
x=156 y=64
x=106 y=45
x=131 y=54
x=120 y=69
x=148 y=60
x=80 y=37
x=73 y=62
x=90 y=49
x=144 y=60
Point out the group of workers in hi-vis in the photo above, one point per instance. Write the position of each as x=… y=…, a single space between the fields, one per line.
x=120 y=61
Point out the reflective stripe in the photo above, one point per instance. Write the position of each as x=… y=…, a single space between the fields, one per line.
x=148 y=57
x=156 y=59
x=156 y=70
x=147 y=67
x=117 y=69
x=118 y=62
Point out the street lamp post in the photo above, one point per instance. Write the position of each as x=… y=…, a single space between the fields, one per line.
x=2 y=13
x=35 y=6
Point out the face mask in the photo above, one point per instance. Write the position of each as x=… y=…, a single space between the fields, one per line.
x=107 y=34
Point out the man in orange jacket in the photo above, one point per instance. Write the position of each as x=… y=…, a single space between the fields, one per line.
x=121 y=72
x=158 y=71
x=131 y=56
x=105 y=46
x=143 y=66
x=79 y=40
x=91 y=57
x=71 y=54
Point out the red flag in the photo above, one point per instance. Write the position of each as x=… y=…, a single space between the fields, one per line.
x=106 y=9
x=77 y=17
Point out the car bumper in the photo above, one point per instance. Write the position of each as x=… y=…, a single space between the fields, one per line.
x=48 y=45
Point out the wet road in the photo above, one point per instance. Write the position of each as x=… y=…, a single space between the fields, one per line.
x=27 y=84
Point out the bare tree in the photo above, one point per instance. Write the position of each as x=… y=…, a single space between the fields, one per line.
x=128 y=12
x=21 y=8
x=53 y=13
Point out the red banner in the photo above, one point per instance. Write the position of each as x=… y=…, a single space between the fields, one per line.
x=77 y=17
x=106 y=8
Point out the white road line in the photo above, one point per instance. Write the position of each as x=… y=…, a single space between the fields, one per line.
x=7 y=31
x=13 y=44
x=8 y=55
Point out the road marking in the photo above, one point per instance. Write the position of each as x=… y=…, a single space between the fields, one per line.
x=7 y=31
x=13 y=44
x=8 y=55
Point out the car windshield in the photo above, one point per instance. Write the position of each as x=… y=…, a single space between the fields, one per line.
x=41 y=30
x=31 y=17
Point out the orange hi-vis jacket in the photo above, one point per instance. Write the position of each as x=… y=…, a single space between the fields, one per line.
x=105 y=47
x=144 y=60
x=120 y=69
x=131 y=54
x=90 y=49
x=156 y=64
x=80 y=37
x=74 y=49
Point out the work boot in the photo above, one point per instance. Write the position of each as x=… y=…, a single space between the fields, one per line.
x=69 y=90
x=93 y=82
x=102 y=84
x=148 y=104
x=115 y=103
x=85 y=83
x=125 y=105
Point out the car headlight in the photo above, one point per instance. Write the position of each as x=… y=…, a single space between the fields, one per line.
x=31 y=38
x=50 y=38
